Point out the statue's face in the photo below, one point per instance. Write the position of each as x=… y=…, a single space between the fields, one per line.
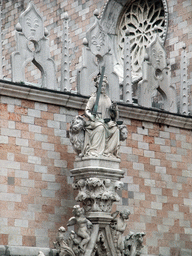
x=78 y=212
x=124 y=133
x=103 y=87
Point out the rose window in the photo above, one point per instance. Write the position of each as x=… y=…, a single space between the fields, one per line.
x=143 y=18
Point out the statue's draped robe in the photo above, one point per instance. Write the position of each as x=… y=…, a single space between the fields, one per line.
x=100 y=138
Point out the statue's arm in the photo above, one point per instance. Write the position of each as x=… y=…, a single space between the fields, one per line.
x=89 y=108
x=89 y=224
x=71 y=221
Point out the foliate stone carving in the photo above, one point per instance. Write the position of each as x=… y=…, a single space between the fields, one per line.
x=97 y=53
x=156 y=79
x=133 y=244
x=118 y=226
x=140 y=18
x=97 y=195
x=32 y=46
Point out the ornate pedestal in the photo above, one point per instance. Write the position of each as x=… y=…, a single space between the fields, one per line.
x=98 y=180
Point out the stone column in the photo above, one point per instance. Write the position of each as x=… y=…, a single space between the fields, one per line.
x=65 y=84
x=127 y=88
x=184 y=86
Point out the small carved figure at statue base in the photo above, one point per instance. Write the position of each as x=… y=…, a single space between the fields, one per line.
x=83 y=225
x=61 y=245
x=119 y=225
x=133 y=244
x=77 y=134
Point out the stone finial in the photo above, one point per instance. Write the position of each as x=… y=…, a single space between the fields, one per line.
x=65 y=84
x=32 y=46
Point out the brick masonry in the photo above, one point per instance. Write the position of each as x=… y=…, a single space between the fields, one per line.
x=36 y=193
x=80 y=17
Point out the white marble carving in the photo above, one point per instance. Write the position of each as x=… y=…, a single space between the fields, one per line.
x=133 y=244
x=61 y=244
x=118 y=225
x=97 y=53
x=32 y=46
x=84 y=226
x=99 y=134
x=156 y=78
x=97 y=194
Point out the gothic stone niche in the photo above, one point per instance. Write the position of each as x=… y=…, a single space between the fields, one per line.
x=32 y=46
x=97 y=53
x=139 y=17
x=156 y=79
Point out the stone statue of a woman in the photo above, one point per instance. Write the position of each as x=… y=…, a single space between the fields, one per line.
x=101 y=130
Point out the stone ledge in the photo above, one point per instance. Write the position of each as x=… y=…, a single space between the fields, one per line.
x=97 y=162
x=96 y=171
x=77 y=101
x=25 y=251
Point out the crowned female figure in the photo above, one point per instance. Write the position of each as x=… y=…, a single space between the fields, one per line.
x=101 y=130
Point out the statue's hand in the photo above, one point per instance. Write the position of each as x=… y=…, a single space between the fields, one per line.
x=92 y=117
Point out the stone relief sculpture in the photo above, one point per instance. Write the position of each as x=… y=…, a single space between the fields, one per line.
x=156 y=79
x=83 y=227
x=101 y=133
x=133 y=244
x=61 y=245
x=119 y=226
x=77 y=133
x=32 y=46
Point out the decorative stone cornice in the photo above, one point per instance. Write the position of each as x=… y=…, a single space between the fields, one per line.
x=76 y=101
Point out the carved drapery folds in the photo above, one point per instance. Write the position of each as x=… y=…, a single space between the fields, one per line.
x=33 y=46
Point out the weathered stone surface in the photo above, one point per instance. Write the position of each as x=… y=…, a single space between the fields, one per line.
x=155 y=89
x=32 y=46
x=97 y=53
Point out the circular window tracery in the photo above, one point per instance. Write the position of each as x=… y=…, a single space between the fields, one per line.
x=143 y=18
